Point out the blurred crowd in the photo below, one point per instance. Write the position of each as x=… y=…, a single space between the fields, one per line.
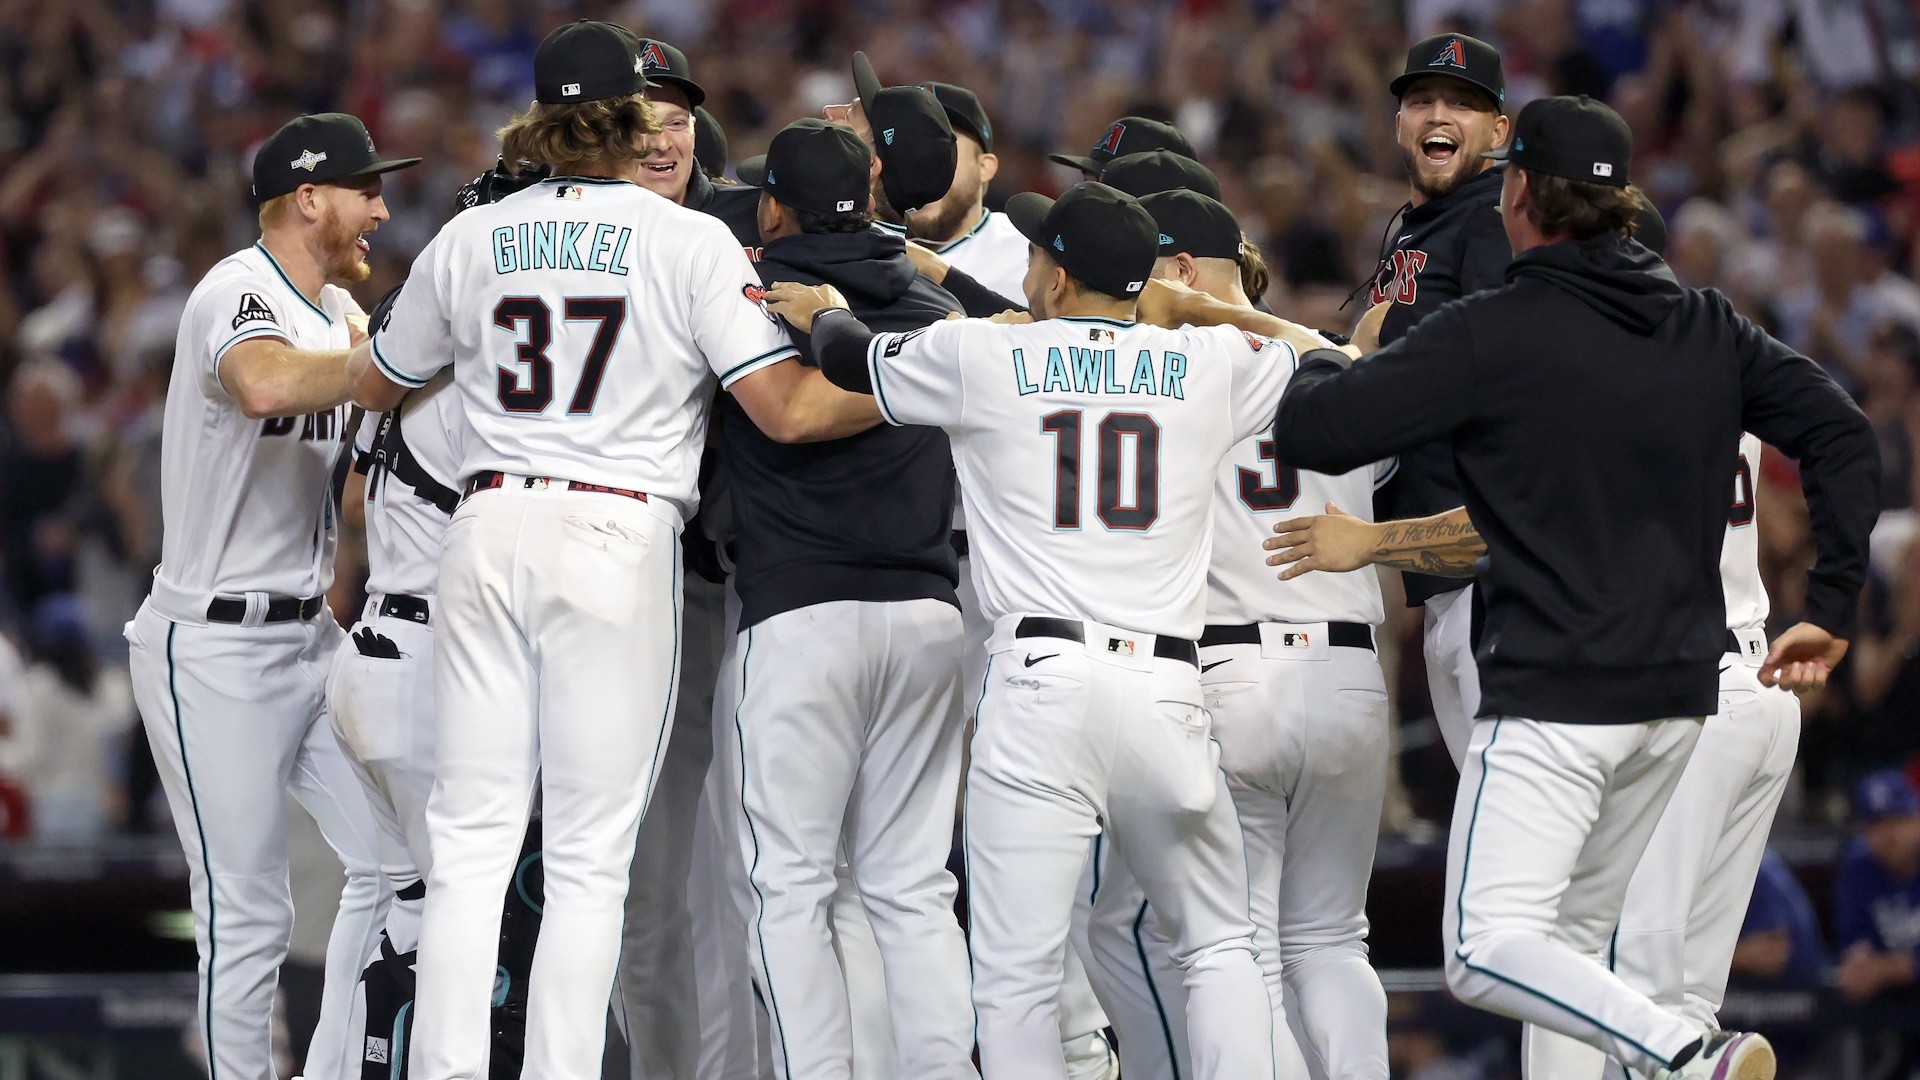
x=1781 y=138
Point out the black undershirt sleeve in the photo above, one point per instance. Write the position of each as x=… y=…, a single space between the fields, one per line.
x=840 y=348
x=978 y=301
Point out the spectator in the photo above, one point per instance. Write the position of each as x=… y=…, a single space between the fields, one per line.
x=70 y=712
x=1780 y=940
x=1877 y=897
x=41 y=483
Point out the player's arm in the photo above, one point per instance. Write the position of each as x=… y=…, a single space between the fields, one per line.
x=793 y=403
x=1444 y=545
x=1171 y=304
x=1339 y=414
x=388 y=364
x=976 y=299
x=267 y=377
x=1790 y=402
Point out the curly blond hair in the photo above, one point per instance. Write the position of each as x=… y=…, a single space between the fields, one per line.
x=594 y=136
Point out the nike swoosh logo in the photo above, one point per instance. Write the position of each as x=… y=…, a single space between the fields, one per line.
x=1404 y=238
x=1204 y=668
x=1032 y=660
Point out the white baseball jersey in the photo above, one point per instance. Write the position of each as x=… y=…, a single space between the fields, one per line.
x=1086 y=449
x=994 y=254
x=413 y=462
x=247 y=504
x=590 y=316
x=1740 y=555
x=1254 y=490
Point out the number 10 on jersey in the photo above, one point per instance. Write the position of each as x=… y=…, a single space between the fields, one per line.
x=1127 y=456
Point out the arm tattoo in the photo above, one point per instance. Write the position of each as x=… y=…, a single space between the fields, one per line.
x=1446 y=545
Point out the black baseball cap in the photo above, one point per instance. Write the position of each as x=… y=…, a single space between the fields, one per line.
x=915 y=144
x=1574 y=138
x=663 y=64
x=813 y=165
x=1456 y=56
x=587 y=60
x=709 y=141
x=1129 y=135
x=1100 y=236
x=1197 y=224
x=320 y=148
x=964 y=111
x=1141 y=175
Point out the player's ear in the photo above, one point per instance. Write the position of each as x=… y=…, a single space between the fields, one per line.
x=1501 y=125
x=1186 y=269
x=989 y=167
x=310 y=202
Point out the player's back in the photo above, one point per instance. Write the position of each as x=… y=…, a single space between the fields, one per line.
x=1087 y=449
x=581 y=313
x=1254 y=490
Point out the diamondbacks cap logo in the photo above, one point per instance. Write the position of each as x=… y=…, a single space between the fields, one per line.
x=653 y=58
x=1109 y=143
x=254 y=309
x=308 y=160
x=1454 y=55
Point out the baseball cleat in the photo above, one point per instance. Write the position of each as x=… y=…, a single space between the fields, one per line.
x=1726 y=1055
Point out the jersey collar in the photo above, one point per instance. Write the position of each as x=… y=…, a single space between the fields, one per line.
x=985 y=216
x=291 y=287
x=1121 y=323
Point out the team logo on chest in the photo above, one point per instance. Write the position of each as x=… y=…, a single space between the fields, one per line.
x=1398 y=277
x=253 y=309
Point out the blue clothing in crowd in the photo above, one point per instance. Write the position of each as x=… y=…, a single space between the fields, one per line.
x=1871 y=905
x=1780 y=903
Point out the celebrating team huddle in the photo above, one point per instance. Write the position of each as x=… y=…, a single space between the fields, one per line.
x=729 y=545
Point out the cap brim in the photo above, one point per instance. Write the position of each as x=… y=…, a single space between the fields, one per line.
x=696 y=95
x=378 y=167
x=1399 y=86
x=1028 y=211
x=865 y=83
x=1498 y=153
x=1084 y=164
x=753 y=171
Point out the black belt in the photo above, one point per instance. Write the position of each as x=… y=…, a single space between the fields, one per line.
x=1167 y=648
x=1347 y=635
x=402 y=606
x=488 y=480
x=959 y=542
x=228 y=609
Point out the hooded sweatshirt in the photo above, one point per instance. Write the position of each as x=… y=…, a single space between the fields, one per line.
x=862 y=518
x=1594 y=410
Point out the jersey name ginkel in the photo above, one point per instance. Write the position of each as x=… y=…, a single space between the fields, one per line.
x=590 y=318
x=1087 y=449
x=248 y=504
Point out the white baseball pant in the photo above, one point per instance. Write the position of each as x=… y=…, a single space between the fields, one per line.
x=847 y=732
x=1074 y=735
x=234 y=716
x=1453 y=676
x=557 y=658
x=1549 y=822
x=1303 y=742
x=1083 y=1024
x=1688 y=897
x=383 y=713
x=656 y=1006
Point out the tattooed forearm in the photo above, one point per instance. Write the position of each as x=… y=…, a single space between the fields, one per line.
x=1445 y=545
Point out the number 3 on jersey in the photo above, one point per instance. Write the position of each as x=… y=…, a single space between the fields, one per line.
x=1129 y=448
x=1260 y=495
x=532 y=320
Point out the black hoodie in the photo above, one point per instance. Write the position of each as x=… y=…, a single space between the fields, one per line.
x=1594 y=410
x=1444 y=249
x=861 y=518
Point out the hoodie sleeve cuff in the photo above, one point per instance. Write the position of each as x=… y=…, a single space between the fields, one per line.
x=1832 y=607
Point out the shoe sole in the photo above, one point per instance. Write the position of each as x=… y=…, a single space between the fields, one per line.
x=1749 y=1058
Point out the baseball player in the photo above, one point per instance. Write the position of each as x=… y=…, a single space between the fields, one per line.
x=1127 y=135
x=1604 y=630
x=848 y=719
x=981 y=243
x=230 y=650
x=584 y=319
x=1086 y=445
x=1299 y=707
x=1450 y=243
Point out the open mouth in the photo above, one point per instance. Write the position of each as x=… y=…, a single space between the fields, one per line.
x=1439 y=149
x=658 y=168
x=360 y=242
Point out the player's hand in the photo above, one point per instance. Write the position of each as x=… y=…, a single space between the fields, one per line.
x=1802 y=658
x=1366 y=336
x=1160 y=303
x=1011 y=317
x=801 y=304
x=1335 y=541
x=930 y=264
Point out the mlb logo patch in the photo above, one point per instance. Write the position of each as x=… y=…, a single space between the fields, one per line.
x=571 y=192
x=376 y=1050
x=571 y=89
x=1100 y=335
x=1295 y=639
x=1120 y=646
x=843 y=205
x=1602 y=168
